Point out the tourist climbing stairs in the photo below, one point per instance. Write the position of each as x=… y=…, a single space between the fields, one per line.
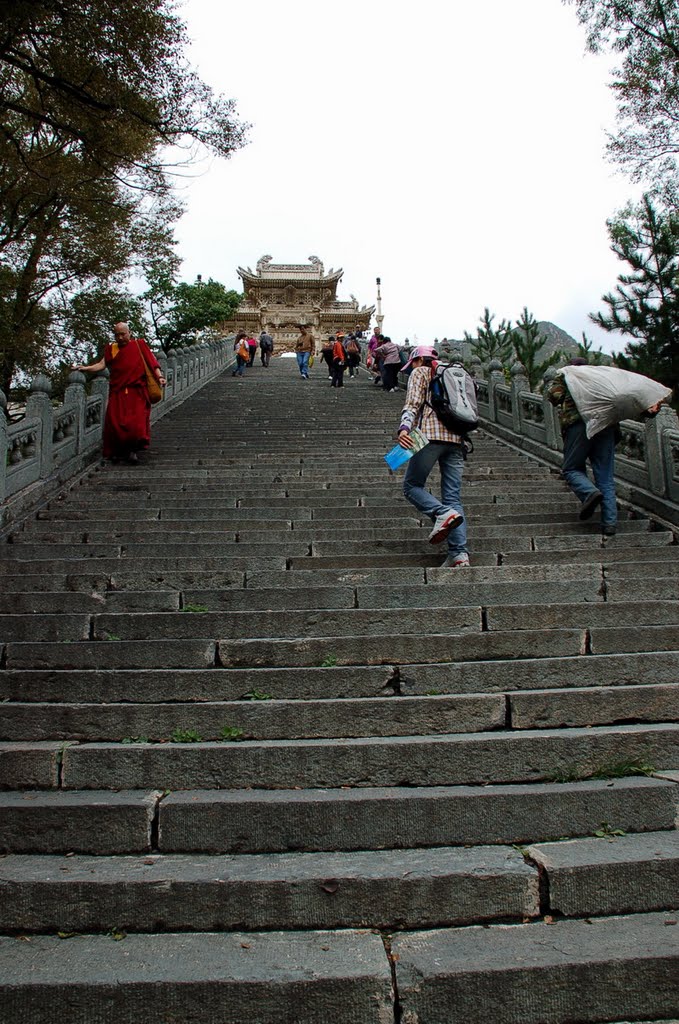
x=264 y=760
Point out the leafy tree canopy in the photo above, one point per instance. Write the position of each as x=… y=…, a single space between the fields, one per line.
x=645 y=34
x=180 y=312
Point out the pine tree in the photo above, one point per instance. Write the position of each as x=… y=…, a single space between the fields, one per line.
x=586 y=350
x=491 y=343
x=645 y=303
x=528 y=342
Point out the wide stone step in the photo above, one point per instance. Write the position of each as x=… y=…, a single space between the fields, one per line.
x=219 y=821
x=265 y=977
x=436 y=760
x=153 y=685
x=260 y=717
x=594 y=706
x=614 y=874
x=175 y=893
x=603 y=970
x=38 y=821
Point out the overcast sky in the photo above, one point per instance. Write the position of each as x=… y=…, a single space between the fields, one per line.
x=453 y=149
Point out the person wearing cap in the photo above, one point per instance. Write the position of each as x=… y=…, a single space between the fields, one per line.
x=444 y=448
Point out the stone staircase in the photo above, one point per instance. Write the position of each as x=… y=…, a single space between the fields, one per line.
x=262 y=760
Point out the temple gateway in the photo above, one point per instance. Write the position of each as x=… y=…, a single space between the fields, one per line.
x=281 y=296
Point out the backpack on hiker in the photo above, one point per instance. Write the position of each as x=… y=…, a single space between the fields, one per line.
x=243 y=350
x=452 y=396
x=353 y=348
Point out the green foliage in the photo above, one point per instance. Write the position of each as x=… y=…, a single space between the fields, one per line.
x=645 y=303
x=95 y=98
x=586 y=350
x=645 y=36
x=195 y=608
x=527 y=342
x=329 y=662
x=623 y=769
x=608 y=832
x=256 y=695
x=185 y=736
x=491 y=343
x=181 y=312
x=231 y=734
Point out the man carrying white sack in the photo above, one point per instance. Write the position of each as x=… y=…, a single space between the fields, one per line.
x=592 y=400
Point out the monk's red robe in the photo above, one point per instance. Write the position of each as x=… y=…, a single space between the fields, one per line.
x=127 y=427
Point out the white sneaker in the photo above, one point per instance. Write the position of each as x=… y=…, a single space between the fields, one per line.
x=459 y=561
x=443 y=524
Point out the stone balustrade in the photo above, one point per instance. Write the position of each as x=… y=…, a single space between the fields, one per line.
x=50 y=444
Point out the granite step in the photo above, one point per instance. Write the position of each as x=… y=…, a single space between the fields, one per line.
x=438 y=760
x=265 y=977
x=605 y=969
x=384 y=889
x=270 y=821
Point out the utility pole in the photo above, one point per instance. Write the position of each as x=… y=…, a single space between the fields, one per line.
x=378 y=315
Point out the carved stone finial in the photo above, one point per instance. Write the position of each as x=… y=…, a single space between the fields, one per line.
x=549 y=374
x=518 y=369
x=76 y=377
x=3 y=400
x=41 y=385
x=495 y=366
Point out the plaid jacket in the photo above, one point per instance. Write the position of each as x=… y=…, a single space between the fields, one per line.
x=559 y=395
x=417 y=413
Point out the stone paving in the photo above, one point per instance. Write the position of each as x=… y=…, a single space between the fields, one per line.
x=263 y=759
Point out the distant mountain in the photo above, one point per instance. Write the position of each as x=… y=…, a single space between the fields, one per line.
x=555 y=339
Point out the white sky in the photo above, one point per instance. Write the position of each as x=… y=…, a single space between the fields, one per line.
x=454 y=149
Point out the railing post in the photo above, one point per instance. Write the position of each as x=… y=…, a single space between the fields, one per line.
x=552 y=427
x=39 y=404
x=3 y=447
x=653 y=446
x=519 y=384
x=495 y=377
x=74 y=395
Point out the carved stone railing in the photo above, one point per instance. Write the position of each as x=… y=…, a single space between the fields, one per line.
x=51 y=444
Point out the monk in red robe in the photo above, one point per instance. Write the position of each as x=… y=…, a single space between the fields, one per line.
x=127 y=427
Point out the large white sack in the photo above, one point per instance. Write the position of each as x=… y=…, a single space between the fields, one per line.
x=605 y=395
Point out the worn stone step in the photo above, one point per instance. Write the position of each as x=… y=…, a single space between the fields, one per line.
x=179 y=892
x=548 y=709
x=153 y=550
x=356 y=622
x=586 y=615
x=265 y=977
x=447 y=759
x=153 y=685
x=261 y=717
x=44 y=627
x=568 y=971
x=147 y=566
x=49 y=603
x=396 y=817
x=614 y=874
x=60 y=821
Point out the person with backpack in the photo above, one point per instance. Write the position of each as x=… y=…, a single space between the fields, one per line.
x=326 y=353
x=339 y=360
x=265 y=347
x=389 y=358
x=353 y=350
x=242 y=350
x=446 y=447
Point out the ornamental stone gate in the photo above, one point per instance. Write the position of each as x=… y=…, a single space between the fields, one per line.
x=280 y=296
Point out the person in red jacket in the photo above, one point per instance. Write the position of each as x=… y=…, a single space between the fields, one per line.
x=127 y=427
x=339 y=361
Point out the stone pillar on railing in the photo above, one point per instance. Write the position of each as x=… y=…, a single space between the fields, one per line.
x=39 y=404
x=552 y=426
x=3 y=447
x=171 y=360
x=495 y=376
x=519 y=384
x=476 y=368
x=74 y=395
x=653 y=443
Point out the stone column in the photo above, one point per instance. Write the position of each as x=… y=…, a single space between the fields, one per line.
x=75 y=396
x=495 y=376
x=38 y=404
x=552 y=427
x=519 y=384
x=3 y=448
x=99 y=389
x=476 y=368
x=653 y=444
